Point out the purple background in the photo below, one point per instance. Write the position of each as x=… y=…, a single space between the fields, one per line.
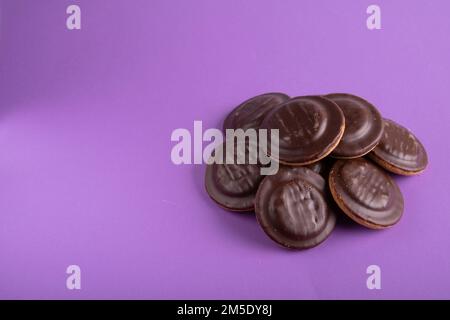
x=85 y=124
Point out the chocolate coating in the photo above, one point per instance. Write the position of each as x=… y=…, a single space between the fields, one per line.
x=291 y=208
x=310 y=128
x=322 y=167
x=317 y=167
x=399 y=150
x=363 y=126
x=365 y=193
x=250 y=113
x=233 y=186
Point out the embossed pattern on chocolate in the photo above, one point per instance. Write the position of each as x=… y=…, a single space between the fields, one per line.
x=320 y=138
x=233 y=186
x=291 y=208
x=365 y=193
x=250 y=113
x=363 y=126
x=235 y=179
x=309 y=127
x=399 y=150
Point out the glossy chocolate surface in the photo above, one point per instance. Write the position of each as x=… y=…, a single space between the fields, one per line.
x=250 y=113
x=366 y=193
x=322 y=167
x=291 y=208
x=317 y=167
x=233 y=186
x=363 y=126
x=310 y=128
x=399 y=150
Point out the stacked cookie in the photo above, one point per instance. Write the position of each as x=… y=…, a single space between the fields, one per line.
x=335 y=154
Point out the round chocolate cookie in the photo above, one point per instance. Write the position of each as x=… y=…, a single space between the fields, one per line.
x=309 y=127
x=250 y=113
x=366 y=193
x=233 y=186
x=291 y=208
x=363 y=126
x=399 y=151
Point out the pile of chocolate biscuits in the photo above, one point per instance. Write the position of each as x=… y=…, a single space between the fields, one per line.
x=335 y=155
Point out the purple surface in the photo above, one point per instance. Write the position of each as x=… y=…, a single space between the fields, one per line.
x=85 y=124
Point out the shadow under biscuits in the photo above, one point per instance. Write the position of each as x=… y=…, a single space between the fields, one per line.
x=237 y=224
